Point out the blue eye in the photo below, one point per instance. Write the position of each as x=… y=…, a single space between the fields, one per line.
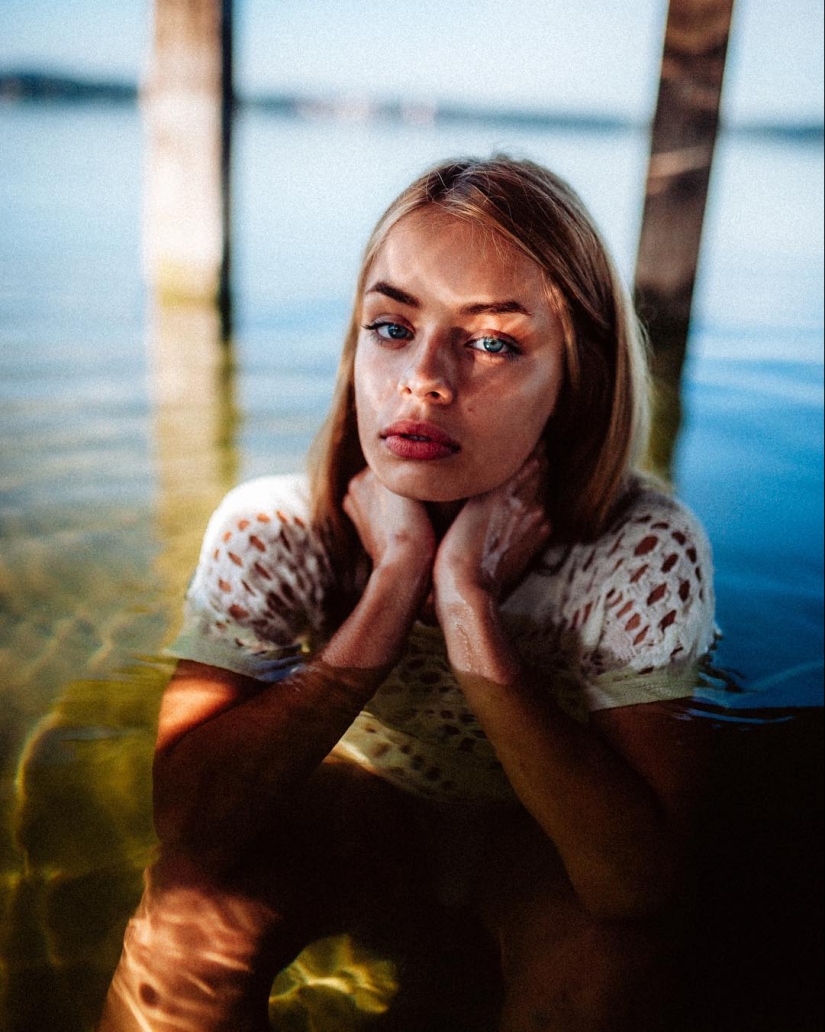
x=493 y=346
x=389 y=330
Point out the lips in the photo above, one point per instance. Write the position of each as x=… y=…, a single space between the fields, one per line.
x=422 y=441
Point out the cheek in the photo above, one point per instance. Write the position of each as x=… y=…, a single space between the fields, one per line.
x=521 y=416
x=508 y=434
x=370 y=379
x=499 y=451
x=537 y=411
x=363 y=391
x=368 y=409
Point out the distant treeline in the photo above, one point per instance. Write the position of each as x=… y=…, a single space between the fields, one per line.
x=27 y=87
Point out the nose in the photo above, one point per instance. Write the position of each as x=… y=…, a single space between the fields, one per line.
x=428 y=375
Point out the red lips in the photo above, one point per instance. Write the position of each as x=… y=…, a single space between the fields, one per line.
x=422 y=441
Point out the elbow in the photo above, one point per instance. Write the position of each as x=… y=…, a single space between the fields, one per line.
x=196 y=818
x=174 y=804
x=627 y=903
x=172 y=825
x=637 y=893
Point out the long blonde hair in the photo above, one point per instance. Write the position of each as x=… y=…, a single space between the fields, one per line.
x=598 y=430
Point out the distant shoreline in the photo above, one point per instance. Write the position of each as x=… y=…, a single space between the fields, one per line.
x=26 y=87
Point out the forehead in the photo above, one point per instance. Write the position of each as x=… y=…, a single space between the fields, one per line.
x=456 y=256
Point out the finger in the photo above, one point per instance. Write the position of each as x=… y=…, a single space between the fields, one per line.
x=540 y=451
x=544 y=529
x=529 y=479
x=361 y=480
x=536 y=463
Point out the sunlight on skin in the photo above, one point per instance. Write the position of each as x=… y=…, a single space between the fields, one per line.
x=187 y=703
x=187 y=962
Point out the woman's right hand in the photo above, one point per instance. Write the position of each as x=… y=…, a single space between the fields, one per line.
x=394 y=531
x=231 y=750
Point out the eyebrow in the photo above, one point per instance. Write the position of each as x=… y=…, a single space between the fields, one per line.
x=476 y=308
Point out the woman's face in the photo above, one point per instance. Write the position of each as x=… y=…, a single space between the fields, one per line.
x=459 y=360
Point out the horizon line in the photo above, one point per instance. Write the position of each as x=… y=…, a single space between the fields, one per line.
x=27 y=85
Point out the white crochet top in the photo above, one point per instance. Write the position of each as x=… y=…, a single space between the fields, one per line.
x=616 y=622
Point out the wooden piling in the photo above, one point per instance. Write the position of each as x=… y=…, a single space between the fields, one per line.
x=187 y=99
x=681 y=155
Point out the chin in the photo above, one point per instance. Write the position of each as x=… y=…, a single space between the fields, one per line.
x=431 y=486
x=428 y=494
x=438 y=497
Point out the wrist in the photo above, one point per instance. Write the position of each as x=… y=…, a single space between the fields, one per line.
x=408 y=574
x=459 y=589
x=373 y=635
x=477 y=644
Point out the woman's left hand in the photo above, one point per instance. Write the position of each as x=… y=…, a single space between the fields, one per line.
x=494 y=537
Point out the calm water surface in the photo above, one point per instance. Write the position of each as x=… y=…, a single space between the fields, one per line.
x=121 y=430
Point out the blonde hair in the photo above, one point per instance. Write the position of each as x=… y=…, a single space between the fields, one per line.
x=598 y=431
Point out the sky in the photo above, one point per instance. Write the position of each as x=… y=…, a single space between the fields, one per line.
x=598 y=56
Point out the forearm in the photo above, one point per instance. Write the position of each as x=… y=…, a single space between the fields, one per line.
x=602 y=816
x=217 y=777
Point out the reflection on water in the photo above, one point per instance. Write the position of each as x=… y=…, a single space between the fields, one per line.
x=194 y=428
x=78 y=808
x=186 y=939
x=336 y=982
x=82 y=823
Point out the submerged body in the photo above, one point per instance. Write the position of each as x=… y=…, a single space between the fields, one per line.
x=447 y=672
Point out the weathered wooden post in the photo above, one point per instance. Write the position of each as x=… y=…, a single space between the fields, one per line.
x=188 y=100
x=681 y=154
x=187 y=108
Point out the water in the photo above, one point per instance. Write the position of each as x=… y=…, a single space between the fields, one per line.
x=108 y=472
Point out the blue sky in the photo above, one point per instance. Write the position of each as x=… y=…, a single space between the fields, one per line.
x=591 y=55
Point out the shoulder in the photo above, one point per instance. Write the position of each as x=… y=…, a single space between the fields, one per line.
x=653 y=533
x=259 y=511
x=259 y=543
x=652 y=585
x=637 y=599
x=263 y=571
x=258 y=589
x=262 y=498
x=651 y=536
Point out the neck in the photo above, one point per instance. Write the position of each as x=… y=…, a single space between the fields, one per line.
x=442 y=515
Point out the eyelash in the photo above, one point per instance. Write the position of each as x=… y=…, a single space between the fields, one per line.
x=374 y=327
x=513 y=352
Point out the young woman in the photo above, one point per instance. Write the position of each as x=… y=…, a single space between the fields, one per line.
x=443 y=675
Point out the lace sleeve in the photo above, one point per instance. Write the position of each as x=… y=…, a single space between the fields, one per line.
x=257 y=593
x=657 y=608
